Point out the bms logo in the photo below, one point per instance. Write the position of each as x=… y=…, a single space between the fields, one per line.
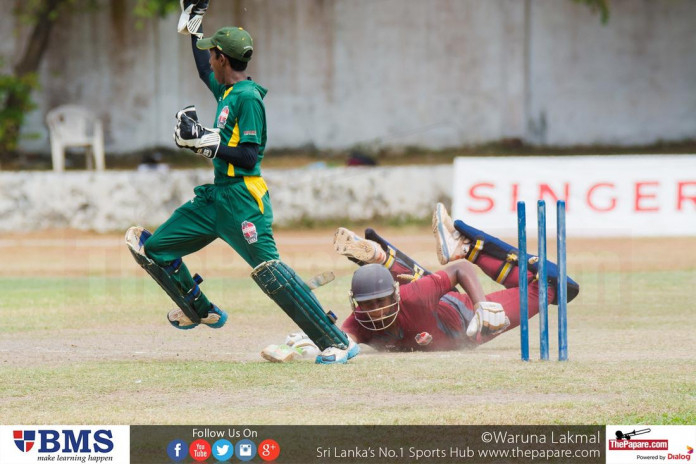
x=24 y=439
x=65 y=441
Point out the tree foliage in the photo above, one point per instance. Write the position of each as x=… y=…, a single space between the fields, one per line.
x=600 y=7
x=152 y=8
x=12 y=115
x=17 y=86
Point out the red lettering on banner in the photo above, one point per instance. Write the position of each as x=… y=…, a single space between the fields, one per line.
x=640 y=196
x=489 y=201
x=683 y=197
x=600 y=197
x=546 y=191
x=591 y=203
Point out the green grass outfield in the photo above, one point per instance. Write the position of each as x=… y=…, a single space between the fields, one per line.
x=84 y=340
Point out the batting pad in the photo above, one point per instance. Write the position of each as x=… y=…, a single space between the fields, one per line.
x=135 y=239
x=285 y=287
x=482 y=242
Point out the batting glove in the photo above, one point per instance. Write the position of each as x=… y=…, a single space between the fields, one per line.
x=189 y=133
x=191 y=18
x=300 y=341
x=297 y=347
x=489 y=319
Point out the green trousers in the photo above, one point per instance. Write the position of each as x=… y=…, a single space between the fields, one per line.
x=238 y=212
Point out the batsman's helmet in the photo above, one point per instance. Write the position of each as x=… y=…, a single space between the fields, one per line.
x=371 y=282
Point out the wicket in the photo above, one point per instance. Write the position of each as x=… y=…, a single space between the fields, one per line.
x=561 y=291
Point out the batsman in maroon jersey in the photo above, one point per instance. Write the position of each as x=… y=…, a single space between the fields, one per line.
x=427 y=313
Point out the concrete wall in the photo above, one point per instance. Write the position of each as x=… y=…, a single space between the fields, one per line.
x=392 y=72
x=628 y=82
x=115 y=200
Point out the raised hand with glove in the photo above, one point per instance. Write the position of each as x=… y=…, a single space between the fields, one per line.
x=191 y=18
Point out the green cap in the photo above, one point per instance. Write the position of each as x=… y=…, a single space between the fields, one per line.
x=232 y=41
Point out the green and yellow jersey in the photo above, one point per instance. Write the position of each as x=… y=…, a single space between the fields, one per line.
x=241 y=118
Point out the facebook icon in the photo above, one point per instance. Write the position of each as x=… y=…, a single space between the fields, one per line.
x=177 y=450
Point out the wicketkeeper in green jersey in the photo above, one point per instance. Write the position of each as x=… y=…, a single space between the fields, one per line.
x=237 y=206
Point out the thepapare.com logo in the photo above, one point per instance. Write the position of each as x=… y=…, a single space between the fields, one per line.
x=83 y=445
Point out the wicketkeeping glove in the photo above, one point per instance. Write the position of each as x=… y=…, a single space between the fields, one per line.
x=489 y=319
x=189 y=133
x=191 y=18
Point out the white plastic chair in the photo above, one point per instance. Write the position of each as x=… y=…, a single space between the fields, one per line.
x=75 y=126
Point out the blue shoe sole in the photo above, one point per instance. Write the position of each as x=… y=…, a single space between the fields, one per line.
x=221 y=321
x=353 y=352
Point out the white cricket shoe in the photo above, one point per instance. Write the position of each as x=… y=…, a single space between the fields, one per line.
x=333 y=355
x=347 y=243
x=450 y=243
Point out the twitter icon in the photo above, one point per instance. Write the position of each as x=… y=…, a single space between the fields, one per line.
x=223 y=450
